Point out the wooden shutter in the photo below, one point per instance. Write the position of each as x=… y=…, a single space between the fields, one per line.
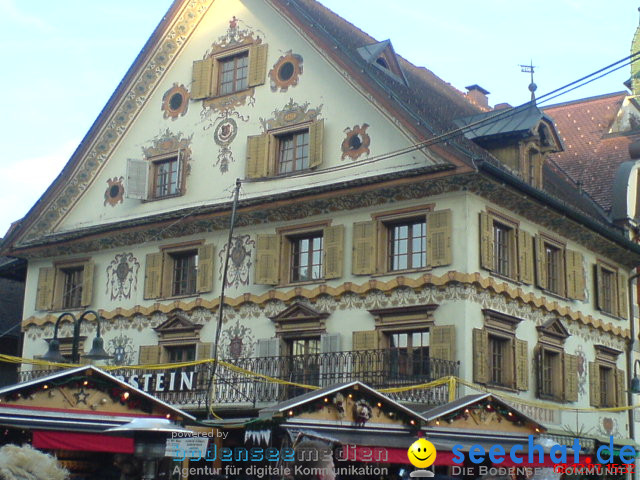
x=525 y=257
x=205 y=350
x=257 y=64
x=44 y=295
x=541 y=264
x=480 y=356
x=439 y=238
x=330 y=342
x=367 y=364
x=258 y=156
x=621 y=390
x=522 y=364
x=364 y=248
x=486 y=241
x=204 y=281
x=267 y=259
x=599 y=287
x=442 y=342
x=202 y=85
x=316 y=139
x=149 y=354
x=575 y=274
x=623 y=304
x=570 y=376
x=594 y=384
x=365 y=340
x=333 y=246
x=268 y=347
x=537 y=358
x=87 y=283
x=137 y=183
x=153 y=276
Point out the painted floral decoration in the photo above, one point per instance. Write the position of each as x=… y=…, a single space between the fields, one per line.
x=114 y=193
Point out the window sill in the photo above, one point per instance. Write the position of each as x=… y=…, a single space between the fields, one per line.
x=297 y=284
x=178 y=297
x=216 y=98
x=157 y=199
x=612 y=316
x=401 y=272
x=504 y=388
x=555 y=295
x=504 y=277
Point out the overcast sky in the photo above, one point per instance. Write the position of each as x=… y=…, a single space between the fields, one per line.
x=63 y=59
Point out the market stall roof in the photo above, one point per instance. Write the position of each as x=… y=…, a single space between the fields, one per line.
x=85 y=399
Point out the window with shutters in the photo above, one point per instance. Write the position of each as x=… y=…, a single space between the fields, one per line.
x=65 y=286
x=180 y=353
x=504 y=249
x=72 y=287
x=306 y=257
x=607 y=383
x=409 y=354
x=179 y=270
x=307 y=253
x=409 y=239
x=229 y=71
x=611 y=290
x=166 y=177
x=551 y=265
x=184 y=266
x=286 y=150
x=407 y=244
x=557 y=371
x=234 y=73
x=499 y=358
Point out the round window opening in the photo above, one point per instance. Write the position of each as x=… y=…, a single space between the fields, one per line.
x=355 y=142
x=175 y=102
x=114 y=191
x=286 y=71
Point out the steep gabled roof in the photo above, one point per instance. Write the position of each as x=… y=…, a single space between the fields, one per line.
x=592 y=155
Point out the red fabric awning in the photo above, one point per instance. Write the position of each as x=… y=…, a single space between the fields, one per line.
x=92 y=442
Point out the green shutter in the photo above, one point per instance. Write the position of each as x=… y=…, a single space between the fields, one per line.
x=439 y=238
x=333 y=246
x=364 y=248
x=204 y=281
x=267 y=259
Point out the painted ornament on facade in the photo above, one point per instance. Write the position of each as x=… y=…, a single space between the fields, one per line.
x=291 y=114
x=114 y=193
x=237 y=341
x=356 y=142
x=239 y=260
x=224 y=133
x=175 y=102
x=122 y=276
x=582 y=370
x=121 y=349
x=286 y=72
x=607 y=427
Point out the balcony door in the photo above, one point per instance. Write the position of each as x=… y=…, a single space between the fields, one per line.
x=303 y=362
x=409 y=355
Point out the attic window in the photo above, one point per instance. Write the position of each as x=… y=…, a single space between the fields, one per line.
x=382 y=62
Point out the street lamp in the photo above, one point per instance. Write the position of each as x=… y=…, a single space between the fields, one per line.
x=635 y=382
x=97 y=351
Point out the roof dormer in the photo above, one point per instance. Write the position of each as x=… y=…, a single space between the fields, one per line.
x=382 y=56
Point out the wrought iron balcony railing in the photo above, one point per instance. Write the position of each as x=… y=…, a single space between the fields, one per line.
x=187 y=387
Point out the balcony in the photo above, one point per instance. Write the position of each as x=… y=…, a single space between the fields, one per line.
x=187 y=387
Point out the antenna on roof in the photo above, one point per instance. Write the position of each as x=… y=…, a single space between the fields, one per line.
x=532 y=86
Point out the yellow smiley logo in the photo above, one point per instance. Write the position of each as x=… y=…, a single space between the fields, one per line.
x=422 y=453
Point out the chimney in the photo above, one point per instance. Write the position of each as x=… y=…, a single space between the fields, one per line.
x=478 y=95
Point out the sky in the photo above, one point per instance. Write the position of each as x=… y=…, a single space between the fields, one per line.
x=63 y=59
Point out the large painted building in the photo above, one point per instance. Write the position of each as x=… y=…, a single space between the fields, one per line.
x=390 y=229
